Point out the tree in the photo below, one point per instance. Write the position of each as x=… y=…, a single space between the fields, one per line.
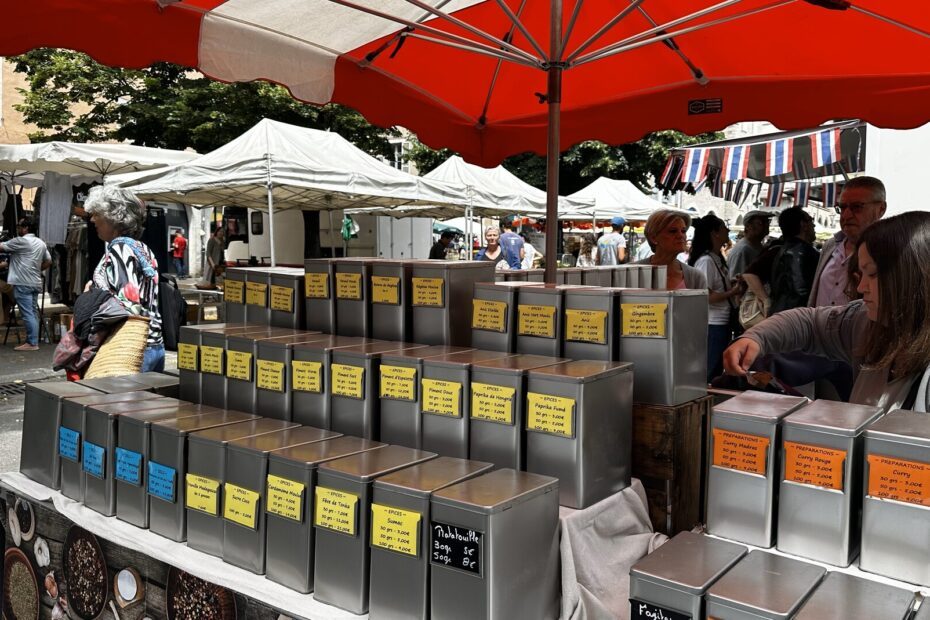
x=71 y=97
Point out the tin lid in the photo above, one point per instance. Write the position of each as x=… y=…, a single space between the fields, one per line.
x=154 y=379
x=319 y=261
x=333 y=342
x=290 y=275
x=309 y=455
x=225 y=434
x=454 y=265
x=581 y=371
x=366 y=466
x=853 y=598
x=124 y=407
x=517 y=364
x=465 y=358
x=376 y=348
x=555 y=289
x=113 y=384
x=765 y=584
x=601 y=291
x=100 y=398
x=145 y=417
x=424 y=479
x=205 y=327
x=286 y=342
x=496 y=491
x=281 y=439
x=63 y=389
x=209 y=417
x=689 y=562
x=414 y=355
x=634 y=293
x=272 y=332
x=242 y=329
x=833 y=417
x=763 y=405
x=392 y=263
x=505 y=285
x=901 y=425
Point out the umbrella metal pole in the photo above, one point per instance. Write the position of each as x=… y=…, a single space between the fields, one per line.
x=270 y=210
x=554 y=101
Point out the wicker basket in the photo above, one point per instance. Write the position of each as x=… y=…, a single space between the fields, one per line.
x=123 y=351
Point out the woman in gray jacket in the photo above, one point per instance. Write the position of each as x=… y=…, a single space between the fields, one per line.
x=885 y=336
x=666 y=234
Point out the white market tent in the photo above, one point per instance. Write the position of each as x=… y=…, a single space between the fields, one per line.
x=279 y=166
x=612 y=198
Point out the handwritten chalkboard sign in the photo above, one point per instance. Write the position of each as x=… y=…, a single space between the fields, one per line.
x=455 y=547
x=647 y=611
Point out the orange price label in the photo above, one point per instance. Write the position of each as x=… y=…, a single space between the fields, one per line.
x=740 y=451
x=814 y=465
x=900 y=480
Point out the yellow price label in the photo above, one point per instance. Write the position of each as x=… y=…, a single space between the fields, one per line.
x=335 y=510
x=211 y=360
x=348 y=380
x=489 y=315
x=202 y=494
x=269 y=375
x=316 y=285
x=586 y=326
x=643 y=320
x=398 y=383
x=536 y=321
x=241 y=506
x=348 y=286
x=442 y=397
x=285 y=498
x=282 y=298
x=256 y=294
x=239 y=365
x=428 y=292
x=234 y=291
x=187 y=356
x=550 y=414
x=307 y=376
x=385 y=290
x=493 y=403
x=395 y=529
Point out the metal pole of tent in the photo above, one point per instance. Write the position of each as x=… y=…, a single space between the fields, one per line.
x=332 y=233
x=554 y=100
x=271 y=211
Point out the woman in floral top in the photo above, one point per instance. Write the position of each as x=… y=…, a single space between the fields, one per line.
x=128 y=268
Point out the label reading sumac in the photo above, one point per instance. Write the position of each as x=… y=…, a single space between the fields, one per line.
x=395 y=529
x=648 y=611
x=455 y=547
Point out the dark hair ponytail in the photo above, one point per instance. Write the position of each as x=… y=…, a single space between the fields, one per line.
x=701 y=244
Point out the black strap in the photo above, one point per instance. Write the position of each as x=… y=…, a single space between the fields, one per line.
x=723 y=277
x=911 y=399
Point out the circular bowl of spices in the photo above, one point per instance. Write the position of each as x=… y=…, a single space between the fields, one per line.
x=192 y=598
x=26 y=518
x=20 y=587
x=85 y=573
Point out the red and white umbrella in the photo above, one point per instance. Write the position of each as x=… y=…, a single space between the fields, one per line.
x=490 y=78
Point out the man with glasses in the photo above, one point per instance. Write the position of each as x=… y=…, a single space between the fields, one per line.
x=862 y=203
x=29 y=257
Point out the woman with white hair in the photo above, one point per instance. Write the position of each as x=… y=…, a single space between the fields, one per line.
x=128 y=268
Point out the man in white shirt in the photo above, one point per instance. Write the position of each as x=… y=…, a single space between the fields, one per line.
x=748 y=249
x=29 y=257
x=611 y=248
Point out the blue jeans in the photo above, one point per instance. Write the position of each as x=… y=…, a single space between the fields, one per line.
x=153 y=360
x=718 y=338
x=179 y=267
x=27 y=298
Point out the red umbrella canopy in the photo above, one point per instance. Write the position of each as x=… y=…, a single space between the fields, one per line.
x=471 y=74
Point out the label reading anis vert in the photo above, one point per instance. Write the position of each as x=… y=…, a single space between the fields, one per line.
x=536 y=321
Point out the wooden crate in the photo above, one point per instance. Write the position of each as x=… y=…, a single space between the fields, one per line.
x=668 y=457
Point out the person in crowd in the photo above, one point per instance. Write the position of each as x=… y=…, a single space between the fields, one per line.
x=786 y=267
x=587 y=255
x=611 y=248
x=529 y=252
x=216 y=250
x=512 y=243
x=884 y=337
x=644 y=251
x=128 y=269
x=748 y=249
x=710 y=235
x=666 y=236
x=178 y=246
x=438 y=251
x=492 y=250
x=28 y=258
x=6 y=289
x=861 y=204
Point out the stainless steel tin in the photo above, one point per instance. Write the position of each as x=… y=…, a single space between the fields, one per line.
x=234 y=294
x=509 y=521
x=400 y=546
x=157 y=382
x=342 y=519
x=660 y=277
x=662 y=333
x=896 y=508
x=646 y=276
x=241 y=353
x=39 y=455
x=399 y=393
x=246 y=481
x=114 y=385
x=535 y=275
x=515 y=276
x=257 y=285
x=494 y=316
x=310 y=378
x=572 y=275
x=579 y=423
x=598 y=276
x=293 y=475
x=390 y=300
x=353 y=392
x=763 y=585
x=821 y=481
x=744 y=463
x=619 y=276
x=539 y=319
x=206 y=475
x=286 y=303
x=167 y=467
x=318 y=291
x=273 y=382
x=213 y=360
x=592 y=323
x=853 y=598
x=673 y=579
x=189 y=342
x=352 y=290
x=497 y=416
x=441 y=299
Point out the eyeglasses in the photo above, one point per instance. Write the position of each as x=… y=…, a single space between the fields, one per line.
x=855 y=207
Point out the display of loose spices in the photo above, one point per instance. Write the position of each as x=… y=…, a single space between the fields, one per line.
x=193 y=598
x=25 y=517
x=21 y=594
x=86 y=574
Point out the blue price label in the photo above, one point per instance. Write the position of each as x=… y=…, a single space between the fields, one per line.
x=129 y=466
x=162 y=482
x=69 y=444
x=94 y=460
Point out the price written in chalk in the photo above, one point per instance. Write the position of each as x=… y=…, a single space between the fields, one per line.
x=550 y=414
x=282 y=298
x=740 y=451
x=316 y=285
x=648 y=611
x=643 y=320
x=536 y=321
x=256 y=294
x=307 y=376
x=335 y=510
x=455 y=547
x=395 y=529
x=899 y=479
x=489 y=315
x=814 y=465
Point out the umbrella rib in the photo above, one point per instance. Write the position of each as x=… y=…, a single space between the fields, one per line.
x=891 y=21
x=516 y=22
x=570 y=28
x=604 y=29
x=480 y=49
x=497 y=70
x=695 y=71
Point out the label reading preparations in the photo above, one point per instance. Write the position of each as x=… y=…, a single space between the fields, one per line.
x=162 y=481
x=899 y=480
x=395 y=529
x=456 y=547
x=815 y=465
x=348 y=380
x=256 y=294
x=211 y=360
x=489 y=315
x=586 y=326
x=643 y=320
x=203 y=494
x=442 y=397
x=129 y=466
x=335 y=510
x=240 y=505
x=95 y=460
x=239 y=365
x=493 y=403
x=385 y=290
x=316 y=285
x=282 y=298
x=307 y=376
x=234 y=291
x=536 y=321
x=740 y=451
x=429 y=292
x=269 y=375
x=648 y=611
x=69 y=444
x=349 y=286
x=398 y=383
x=550 y=414
x=285 y=498
x=187 y=356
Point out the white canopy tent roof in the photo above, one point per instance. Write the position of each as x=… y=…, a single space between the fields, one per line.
x=611 y=198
